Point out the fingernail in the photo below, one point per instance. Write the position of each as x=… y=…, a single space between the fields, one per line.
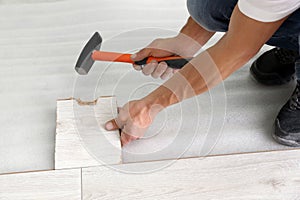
x=137 y=67
x=133 y=56
x=109 y=126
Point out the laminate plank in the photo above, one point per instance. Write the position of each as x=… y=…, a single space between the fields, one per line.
x=47 y=185
x=81 y=139
x=257 y=176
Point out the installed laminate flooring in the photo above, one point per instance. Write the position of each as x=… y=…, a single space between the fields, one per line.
x=257 y=176
x=47 y=185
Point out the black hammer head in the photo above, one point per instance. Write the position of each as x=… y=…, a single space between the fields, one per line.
x=85 y=61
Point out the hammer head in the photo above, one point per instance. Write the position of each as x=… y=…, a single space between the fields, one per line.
x=85 y=61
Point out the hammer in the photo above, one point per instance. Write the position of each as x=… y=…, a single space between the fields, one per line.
x=91 y=53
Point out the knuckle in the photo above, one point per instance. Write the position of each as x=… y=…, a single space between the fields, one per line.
x=122 y=117
x=168 y=73
x=162 y=67
x=145 y=72
x=157 y=73
x=164 y=77
x=143 y=53
x=155 y=76
x=149 y=68
x=169 y=70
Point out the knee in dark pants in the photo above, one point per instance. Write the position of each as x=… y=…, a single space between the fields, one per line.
x=213 y=15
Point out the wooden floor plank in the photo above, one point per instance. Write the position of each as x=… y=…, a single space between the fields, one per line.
x=272 y=175
x=47 y=185
x=81 y=139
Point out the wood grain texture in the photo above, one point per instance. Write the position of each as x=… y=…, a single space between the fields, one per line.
x=47 y=185
x=258 y=176
x=81 y=139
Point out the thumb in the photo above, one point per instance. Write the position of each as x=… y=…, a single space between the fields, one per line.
x=144 y=53
x=111 y=125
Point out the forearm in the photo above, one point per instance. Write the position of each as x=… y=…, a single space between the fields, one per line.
x=202 y=73
x=242 y=41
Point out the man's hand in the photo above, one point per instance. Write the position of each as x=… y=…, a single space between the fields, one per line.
x=243 y=40
x=133 y=119
x=190 y=39
x=179 y=45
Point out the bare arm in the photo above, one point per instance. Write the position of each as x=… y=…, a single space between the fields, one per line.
x=242 y=41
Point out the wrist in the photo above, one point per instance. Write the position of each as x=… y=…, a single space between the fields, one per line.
x=185 y=46
x=162 y=97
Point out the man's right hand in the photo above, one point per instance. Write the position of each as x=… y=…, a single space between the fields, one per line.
x=179 y=45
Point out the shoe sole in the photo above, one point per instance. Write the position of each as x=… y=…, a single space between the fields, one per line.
x=284 y=141
x=280 y=140
x=268 y=79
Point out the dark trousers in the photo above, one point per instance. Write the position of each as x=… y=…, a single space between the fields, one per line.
x=214 y=15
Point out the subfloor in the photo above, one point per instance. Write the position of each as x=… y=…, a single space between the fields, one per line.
x=40 y=42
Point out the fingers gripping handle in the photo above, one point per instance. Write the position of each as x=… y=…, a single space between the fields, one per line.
x=175 y=62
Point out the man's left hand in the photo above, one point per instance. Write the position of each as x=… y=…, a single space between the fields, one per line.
x=133 y=119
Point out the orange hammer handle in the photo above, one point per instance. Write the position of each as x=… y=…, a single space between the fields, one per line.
x=120 y=57
x=111 y=56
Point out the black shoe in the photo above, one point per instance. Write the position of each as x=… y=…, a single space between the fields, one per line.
x=287 y=124
x=275 y=67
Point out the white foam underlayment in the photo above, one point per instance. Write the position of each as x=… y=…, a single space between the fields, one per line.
x=40 y=42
